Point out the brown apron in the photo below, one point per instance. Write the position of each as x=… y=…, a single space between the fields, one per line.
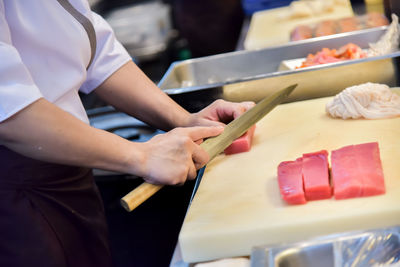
x=50 y=215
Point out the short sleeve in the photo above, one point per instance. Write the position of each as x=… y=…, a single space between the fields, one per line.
x=110 y=55
x=17 y=88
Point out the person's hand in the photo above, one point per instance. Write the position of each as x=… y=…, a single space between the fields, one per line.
x=220 y=112
x=173 y=157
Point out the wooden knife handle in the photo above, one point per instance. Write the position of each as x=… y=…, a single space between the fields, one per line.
x=139 y=195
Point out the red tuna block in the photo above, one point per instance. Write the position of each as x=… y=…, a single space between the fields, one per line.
x=357 y=171
x=242 y=144
x=315 y=172
x=291 y=182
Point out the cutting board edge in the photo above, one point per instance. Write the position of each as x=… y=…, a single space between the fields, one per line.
x=214 y=251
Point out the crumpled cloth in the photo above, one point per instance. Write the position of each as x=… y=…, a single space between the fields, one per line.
x=368 y=100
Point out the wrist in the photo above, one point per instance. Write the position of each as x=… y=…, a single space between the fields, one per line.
x=183 y=120
x=134 y=161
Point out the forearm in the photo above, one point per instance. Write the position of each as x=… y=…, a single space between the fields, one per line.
x=45 y=132
x=132 y=92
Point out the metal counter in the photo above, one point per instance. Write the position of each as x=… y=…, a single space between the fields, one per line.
x=252 y=75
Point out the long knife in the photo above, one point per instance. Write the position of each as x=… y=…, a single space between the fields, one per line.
x=215 y=145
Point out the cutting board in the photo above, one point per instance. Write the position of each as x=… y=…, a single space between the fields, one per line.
x=238 y=204
x=271 y=28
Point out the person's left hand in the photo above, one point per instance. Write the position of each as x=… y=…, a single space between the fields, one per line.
x=220 y=112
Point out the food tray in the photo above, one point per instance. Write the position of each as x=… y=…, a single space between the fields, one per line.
x=252 y=75
x=379 y=247
x=272 y=27
x=353 y=23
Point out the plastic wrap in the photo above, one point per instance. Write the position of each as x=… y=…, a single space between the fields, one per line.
x=380 y=247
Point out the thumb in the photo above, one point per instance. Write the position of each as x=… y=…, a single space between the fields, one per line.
x=201 y=132
x=207 y=122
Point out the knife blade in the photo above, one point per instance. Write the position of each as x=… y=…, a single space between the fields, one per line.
x=215 y=145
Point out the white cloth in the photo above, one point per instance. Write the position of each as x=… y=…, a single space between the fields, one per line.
x=44 y=52
x=367 y=100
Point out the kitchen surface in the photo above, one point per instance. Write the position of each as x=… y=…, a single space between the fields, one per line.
x=234 y=214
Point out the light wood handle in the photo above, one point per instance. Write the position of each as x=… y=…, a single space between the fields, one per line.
x=139 y=195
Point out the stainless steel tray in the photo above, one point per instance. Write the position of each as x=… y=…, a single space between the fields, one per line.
x=252 y=75
x=380 y=247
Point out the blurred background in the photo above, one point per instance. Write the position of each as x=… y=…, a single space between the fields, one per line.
x=159 y=32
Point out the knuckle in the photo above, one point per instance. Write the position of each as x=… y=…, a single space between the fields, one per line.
x=177 y=182
x=206 y=157
x=219 y=101
x=186 y=140
x=178 y=179
x=177 y=130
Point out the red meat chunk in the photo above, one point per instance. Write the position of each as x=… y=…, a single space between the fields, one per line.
x=357 y=171
x=326 y=27
x=315 y=172
x=348 y=24
x=375 y=19
x=242 y=144
x=291 y=182
x=301 y=32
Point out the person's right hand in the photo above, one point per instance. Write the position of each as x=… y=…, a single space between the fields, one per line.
x=173 y=157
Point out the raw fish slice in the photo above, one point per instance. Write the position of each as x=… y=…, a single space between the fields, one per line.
x=300 y=33
x=345 y=181
x=326 y=27
x=242 y=144
x=348 y=24
x=315 y=172
x=291 y=182
x=371 y=166
x=376 y=19
x=357 y=171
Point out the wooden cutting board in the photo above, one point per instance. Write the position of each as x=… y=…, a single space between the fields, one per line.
x=271 y=27
x=238 y=204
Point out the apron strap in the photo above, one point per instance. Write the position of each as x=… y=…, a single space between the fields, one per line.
x=87 y=25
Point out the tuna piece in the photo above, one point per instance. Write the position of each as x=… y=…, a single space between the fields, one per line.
x=348 y=24
x=357 y=171
x=291 y=181
x=375 y=19
x=326 y=27
x=301 y=32
x=315 y=172
x=242 y=144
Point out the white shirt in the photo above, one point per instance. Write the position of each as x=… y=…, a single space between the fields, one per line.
x=44 y=52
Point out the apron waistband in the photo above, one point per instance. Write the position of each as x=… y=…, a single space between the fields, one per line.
x=18 y=171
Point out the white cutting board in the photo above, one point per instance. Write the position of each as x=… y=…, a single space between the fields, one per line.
x=270 y=27
x=238 y=204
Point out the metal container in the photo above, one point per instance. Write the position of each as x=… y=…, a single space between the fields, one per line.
x=252 y=75
x=380 y=247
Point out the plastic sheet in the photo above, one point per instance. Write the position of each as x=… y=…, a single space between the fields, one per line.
x=373 y=248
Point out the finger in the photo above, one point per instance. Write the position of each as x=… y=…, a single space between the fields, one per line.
x=201 y=132
x=227 y=111
x=211 y=122
x=198 y=142
x=242 y=108
x=200 y=157
x=192 y=174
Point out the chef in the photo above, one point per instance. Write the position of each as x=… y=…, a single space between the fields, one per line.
x=51 y=213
